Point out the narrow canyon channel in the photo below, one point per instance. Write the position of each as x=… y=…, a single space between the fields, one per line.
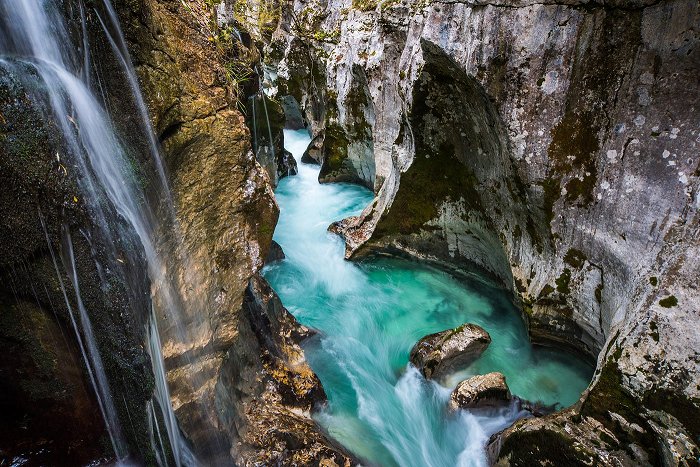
x=370 y=314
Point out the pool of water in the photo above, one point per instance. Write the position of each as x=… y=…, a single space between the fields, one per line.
x=371 y=314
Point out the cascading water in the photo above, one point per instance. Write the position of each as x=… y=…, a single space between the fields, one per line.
x=370 y=315
x=35 y=34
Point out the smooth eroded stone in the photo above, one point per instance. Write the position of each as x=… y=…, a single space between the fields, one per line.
x=489 y=390
x=436 y=355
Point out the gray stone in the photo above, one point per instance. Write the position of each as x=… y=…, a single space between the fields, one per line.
x=292 y=113
x=481 y=391
x=436 y=355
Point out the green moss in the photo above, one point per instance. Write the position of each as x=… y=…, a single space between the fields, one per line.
x=544 y=447
x=654 y=331
x=575 y=258
x=608 y=396
x=364 y=5
x=552 y=190
x=431 y=180
x=572 y=150
x=653 y=280
x=684 y=409
x=563 y=281
x=546 y=290
x=669 y=301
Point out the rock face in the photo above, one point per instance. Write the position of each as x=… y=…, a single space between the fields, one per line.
x=239 y=385
x=238 y=372
x=51 y=246
x=544 y=143
x=266 y=119
x=292 y=113
x=436 y=355
x=489 y=390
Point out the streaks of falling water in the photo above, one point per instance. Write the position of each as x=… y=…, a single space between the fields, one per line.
x=369 y=315
x=34 y=32
x=88 y=349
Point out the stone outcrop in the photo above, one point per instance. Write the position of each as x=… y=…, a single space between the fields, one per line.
x=237 y=371
x=553 y=145
x=292 y=113
x=481 y=391
x=266 y=120
x=275 y=254
x=438 y=354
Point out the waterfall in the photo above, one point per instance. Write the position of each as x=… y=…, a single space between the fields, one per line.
x=88 y=349
x=35 y=33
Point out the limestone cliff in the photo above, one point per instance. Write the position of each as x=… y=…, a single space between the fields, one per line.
x=553 y=145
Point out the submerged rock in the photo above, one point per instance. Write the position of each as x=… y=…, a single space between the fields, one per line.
x=438 y=354
x=489 y=390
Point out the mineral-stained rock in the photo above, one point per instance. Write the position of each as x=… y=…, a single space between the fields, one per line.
x=243 y=352
x=489 y=390
x=438 y=354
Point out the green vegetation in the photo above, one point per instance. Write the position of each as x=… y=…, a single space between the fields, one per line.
x=653 y=280
x=575 y=258
x=669 y=301
x=654 y=331
x=544 y=447
x=546 y=290
x=563 y=281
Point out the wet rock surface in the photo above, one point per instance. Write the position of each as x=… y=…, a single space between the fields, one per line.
x=275 y=254
x=313 y=154
x=436 y=355
x=276 y=426
x=245 y=358
x=48 y=237
x=481 y=391
x=294 y=120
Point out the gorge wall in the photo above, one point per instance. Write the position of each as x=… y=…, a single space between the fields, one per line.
x=553 y=145
x=238 y=370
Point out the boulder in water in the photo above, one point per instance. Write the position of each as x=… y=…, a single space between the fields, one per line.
x=275 y=254
x=438 y=354
x=314 y=153
x=480 y=391
x=286 y=165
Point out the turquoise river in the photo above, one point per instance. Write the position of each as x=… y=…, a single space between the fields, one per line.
x=370 y=314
